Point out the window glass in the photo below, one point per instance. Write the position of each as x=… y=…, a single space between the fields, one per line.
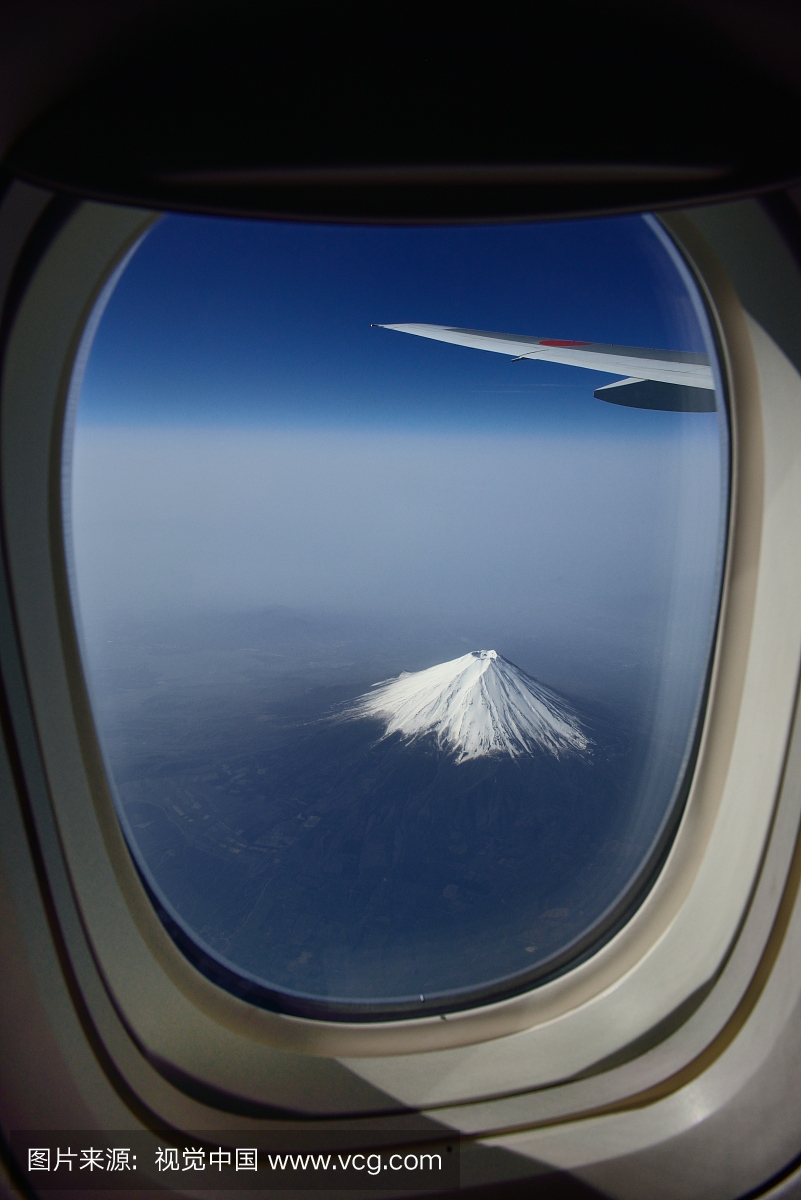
x=397 y=638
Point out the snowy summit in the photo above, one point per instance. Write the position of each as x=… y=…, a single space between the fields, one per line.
x=474 y=706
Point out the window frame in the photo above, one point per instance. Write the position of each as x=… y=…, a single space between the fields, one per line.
x=568 y=1047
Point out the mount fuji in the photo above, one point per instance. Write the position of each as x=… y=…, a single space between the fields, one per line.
x=475 y=706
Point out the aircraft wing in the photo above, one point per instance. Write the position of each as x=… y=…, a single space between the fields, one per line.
x=672 y=380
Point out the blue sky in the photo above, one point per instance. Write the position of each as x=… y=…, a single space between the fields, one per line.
x=245 y=439
x=221 y=322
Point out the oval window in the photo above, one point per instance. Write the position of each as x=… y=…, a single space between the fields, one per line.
x=397 y=555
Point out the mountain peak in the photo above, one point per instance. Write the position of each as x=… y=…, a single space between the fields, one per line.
x=475 y=706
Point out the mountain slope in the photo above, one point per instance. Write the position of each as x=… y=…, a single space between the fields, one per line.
x=474 y=706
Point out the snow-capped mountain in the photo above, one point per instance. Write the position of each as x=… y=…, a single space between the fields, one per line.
x=474 y=706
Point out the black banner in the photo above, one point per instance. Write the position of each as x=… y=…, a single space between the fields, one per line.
x=322 y=1160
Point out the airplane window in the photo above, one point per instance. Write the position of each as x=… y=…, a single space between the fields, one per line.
x=397 y=554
